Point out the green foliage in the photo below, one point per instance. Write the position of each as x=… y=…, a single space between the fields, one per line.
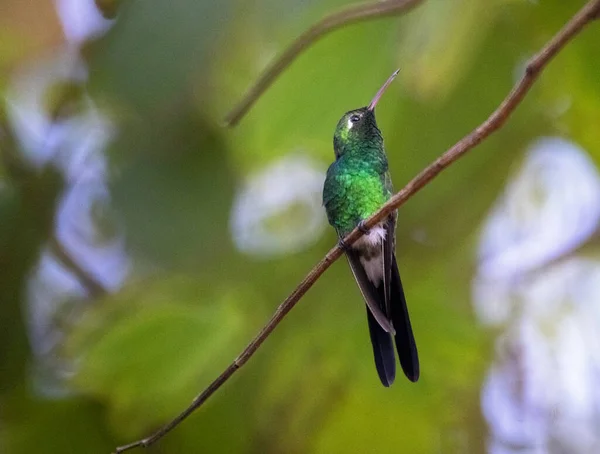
x=161 y=344
x=160 y=173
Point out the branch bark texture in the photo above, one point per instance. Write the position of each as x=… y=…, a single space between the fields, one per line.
x=495 y=121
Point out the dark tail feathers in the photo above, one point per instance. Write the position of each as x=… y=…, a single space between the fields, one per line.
x=383 y=349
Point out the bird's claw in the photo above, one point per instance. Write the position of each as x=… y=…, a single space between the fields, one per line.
x=343 y=245
x=362 y=226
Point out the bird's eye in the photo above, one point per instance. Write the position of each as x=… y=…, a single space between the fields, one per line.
x=354 y=118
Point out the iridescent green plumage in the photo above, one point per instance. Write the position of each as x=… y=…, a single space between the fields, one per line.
x=358 y=183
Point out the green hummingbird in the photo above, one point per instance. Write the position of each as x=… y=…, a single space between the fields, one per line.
x=358 y=183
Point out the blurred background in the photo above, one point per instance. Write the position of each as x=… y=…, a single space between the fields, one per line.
x=143 y=244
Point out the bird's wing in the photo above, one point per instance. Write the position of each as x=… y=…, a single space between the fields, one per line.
x=388 y=254
x=331 y=186
x=369 y=292
x=395 y=304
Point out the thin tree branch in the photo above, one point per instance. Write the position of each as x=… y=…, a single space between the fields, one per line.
x=94 y=287
x=353 y=14
x=17 y=166
x=532 y=71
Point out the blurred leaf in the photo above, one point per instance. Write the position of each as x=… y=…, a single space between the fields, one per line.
x=39 y=421
x=166 y=338
x=439 y=44
x=154 y=51
x=173 y=185
x=570 y=93
x=174 y=191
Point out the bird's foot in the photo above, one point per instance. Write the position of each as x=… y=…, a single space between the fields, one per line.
x=343 y=245
x=362 y=226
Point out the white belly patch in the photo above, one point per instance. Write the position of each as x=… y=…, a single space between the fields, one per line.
x=374 y=238
x=373 y=265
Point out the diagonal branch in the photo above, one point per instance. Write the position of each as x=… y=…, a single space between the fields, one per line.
x=353 y=14
x=93 y=286
x=496 y=120
x=18 y=169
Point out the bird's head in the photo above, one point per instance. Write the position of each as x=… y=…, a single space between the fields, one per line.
x=358 y=127
x=355 y=129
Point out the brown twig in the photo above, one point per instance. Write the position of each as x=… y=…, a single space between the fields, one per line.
x=351 y=15
x=94 y=287
x=532 y=71
x=17 y=168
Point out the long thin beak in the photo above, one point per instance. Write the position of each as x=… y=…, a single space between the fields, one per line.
x=382 y=89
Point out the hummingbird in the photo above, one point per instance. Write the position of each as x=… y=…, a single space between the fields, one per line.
x=358 y=183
